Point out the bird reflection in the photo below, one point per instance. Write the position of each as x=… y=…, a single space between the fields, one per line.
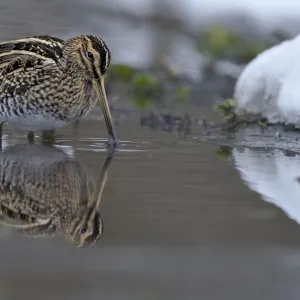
x=44 y=192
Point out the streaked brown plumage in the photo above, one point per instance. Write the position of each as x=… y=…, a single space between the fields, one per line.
x=47 y=83
x=44 y=192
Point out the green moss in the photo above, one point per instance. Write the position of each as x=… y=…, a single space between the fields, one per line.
x=243 y=119
x=225 y=151
x=181 y=94
x=144 y=89
x=249 y=51
x=262 y=124
x=120 y=72
x=227 y=107
x=143 y=102
x=220 y=42
x=145 y=81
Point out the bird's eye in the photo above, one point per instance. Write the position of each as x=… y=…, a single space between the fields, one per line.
x=90 y=55
x=83 y=230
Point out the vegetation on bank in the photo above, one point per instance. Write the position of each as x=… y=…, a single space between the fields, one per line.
x=146 y=88
x=219 y=42
x=234 y=120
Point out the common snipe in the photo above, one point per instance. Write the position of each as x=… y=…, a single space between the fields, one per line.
x=47 y=83
x=43 y=192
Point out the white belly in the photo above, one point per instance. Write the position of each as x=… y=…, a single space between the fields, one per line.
x=34 y=122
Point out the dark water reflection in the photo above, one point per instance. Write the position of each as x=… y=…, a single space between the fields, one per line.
x=180 y=223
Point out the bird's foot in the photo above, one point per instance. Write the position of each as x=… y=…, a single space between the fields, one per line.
x=111 y=143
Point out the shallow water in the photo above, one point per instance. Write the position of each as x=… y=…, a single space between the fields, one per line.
x=181 y=222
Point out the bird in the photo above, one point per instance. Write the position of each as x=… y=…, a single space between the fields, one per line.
x=47 y=82
x=46 y=193
x=268 y=85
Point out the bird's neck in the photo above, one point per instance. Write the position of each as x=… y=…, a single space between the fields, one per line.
x=71 y=63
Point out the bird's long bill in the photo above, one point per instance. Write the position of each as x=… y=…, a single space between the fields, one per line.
x=100 y=91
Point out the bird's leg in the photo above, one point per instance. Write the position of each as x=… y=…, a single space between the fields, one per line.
x=76 y=128
x=1 y=131
x=1 y=127
x=75 y=135
x=30 y=137
x=111 y=143
x=48 y=137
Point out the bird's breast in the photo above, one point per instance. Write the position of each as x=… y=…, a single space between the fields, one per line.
x=47 y=107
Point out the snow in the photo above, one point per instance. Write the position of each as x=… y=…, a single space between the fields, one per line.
x=269 y=84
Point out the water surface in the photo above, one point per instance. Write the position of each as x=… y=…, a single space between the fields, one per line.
x=181 y=222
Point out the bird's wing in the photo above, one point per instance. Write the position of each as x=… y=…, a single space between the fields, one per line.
x=22 y=62
x=29 y=52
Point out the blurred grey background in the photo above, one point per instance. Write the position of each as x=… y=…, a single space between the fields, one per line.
x=140 y=31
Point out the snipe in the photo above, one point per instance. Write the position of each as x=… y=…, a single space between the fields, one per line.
x=43 y=192
x=47 y=83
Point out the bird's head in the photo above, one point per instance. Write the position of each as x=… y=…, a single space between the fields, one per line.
x=89 y=56
x=86 y=229
x=90 y=53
